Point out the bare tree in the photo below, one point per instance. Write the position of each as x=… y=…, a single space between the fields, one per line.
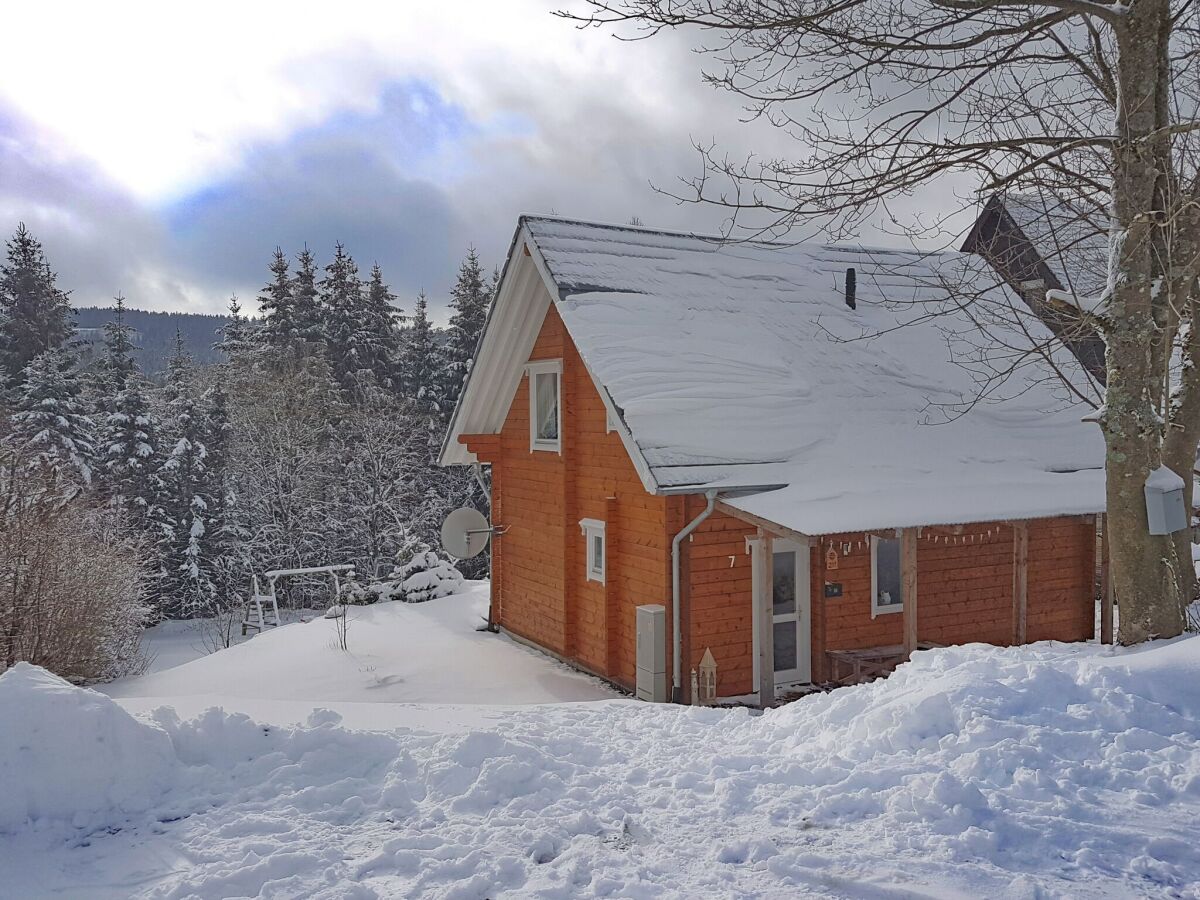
x=72 y=595
x=1094 y=101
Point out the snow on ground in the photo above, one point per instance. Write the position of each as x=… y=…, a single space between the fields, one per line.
x=1051 y=771
x=410 y=664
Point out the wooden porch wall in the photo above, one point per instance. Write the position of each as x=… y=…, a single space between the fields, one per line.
x=965 y=589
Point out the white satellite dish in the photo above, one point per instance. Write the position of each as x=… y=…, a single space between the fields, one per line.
x=465 y=533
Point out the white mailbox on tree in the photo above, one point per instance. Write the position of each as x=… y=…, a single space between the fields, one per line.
x=1165 y=510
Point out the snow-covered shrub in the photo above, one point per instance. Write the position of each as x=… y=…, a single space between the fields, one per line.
x=72 y=582
x=420 y=574
x=427 y=576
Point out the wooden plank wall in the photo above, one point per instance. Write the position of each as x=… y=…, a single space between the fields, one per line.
x=964 y=589
x=546 y=596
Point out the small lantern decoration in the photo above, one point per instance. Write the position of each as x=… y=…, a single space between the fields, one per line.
x=706 y=693
x=831 y=558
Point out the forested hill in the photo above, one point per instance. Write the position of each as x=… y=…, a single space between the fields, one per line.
x=155 y=337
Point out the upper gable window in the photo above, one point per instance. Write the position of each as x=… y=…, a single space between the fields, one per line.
x=545 y=406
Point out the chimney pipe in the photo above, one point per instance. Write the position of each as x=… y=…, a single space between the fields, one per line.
x=851 y=285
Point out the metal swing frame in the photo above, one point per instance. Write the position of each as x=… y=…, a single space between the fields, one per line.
x=262 y=608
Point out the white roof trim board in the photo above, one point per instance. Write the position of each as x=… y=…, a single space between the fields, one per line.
x=735 y=366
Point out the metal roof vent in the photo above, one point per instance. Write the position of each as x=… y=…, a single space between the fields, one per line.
x=851 y=286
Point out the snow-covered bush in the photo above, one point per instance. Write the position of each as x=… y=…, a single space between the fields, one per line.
x=72 y=582
x=421 y=574
x=426 y=577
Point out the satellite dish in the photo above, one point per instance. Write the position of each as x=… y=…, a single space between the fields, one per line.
x=465 y=533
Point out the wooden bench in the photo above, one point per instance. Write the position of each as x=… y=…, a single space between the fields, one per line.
x=869 y=663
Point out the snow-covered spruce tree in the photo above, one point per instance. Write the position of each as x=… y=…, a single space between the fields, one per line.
x=117 y=364
x=470 y=298
x=35 y=316
x=238 y=334
x=50 y=429
x=276 y=304
x=310 y=324
x=188 y=543
x=421 y=365
x=130 y=459
x=349 y=338
x=382 y=319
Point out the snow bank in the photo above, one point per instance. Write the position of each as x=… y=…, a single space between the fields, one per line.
x=1050 y=771
x=73 y=755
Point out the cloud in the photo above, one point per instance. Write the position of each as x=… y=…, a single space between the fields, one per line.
x=361 y=179
x=175 y=150
x=98 y=238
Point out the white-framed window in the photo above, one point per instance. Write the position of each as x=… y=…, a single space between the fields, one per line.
x=887 y=592
x=593 y=533
x=545 y=407
x=610 y=422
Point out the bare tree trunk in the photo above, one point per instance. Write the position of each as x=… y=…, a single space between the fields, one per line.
x=1145 y=567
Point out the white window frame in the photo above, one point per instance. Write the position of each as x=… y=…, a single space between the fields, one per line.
x=595 y=566
x=533 y=369
x=876 y=609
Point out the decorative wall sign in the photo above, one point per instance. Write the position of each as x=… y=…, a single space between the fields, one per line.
x=831 y=559
x=833 y=589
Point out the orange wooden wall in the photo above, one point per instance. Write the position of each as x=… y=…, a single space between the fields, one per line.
x=541 y=593
x=539 y=564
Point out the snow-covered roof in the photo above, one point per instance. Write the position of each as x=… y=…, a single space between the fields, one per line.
x=1070 y=241
x=739 y=365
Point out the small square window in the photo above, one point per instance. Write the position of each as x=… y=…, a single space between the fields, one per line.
x=593 y=533
x=887 y=593
x=545 y=411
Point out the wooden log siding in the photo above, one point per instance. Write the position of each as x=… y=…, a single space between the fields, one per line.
x=541 y=578
x=541 y=591
x=965 y=588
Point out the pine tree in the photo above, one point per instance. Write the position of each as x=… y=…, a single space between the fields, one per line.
x=187 y=544
x=277 y=304
x=236 y=333
x=34 y=313
x=348 y=337
x=383 y=317
x=131 y=459
x=471 y=297
x=420 y=365
x=50 y=429
x=118 y=363
x=307 y=304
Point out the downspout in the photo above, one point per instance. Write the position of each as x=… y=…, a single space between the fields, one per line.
x=677 y=642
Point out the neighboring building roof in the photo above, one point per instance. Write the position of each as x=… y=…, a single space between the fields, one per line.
x=1071 y=242
x=739 y=365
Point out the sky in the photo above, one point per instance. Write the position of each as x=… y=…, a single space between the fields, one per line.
x=163 y=150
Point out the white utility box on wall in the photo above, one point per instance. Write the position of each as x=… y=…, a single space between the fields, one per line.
x=652 y=653
x=1165 y=510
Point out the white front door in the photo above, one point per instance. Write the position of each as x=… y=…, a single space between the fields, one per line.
x=791 y=616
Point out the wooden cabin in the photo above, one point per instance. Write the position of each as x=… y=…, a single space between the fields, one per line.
x=778 y=445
